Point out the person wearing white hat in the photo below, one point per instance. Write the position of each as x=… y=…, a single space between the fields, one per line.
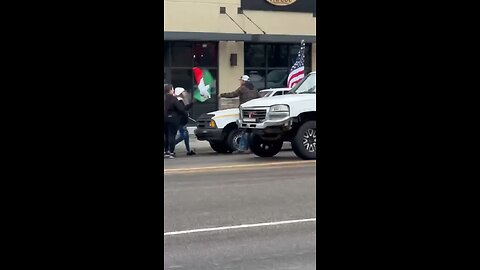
x=182 y=96
x=245 y=92
x=179 y=91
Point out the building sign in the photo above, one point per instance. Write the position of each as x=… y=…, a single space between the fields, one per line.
x=281 y=2
x=280 y=5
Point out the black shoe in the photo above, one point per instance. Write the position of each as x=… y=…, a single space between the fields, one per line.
x=191 y=153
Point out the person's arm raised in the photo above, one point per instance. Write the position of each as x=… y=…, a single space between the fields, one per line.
x=233 y=94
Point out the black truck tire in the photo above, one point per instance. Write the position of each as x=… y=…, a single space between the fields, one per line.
x=304 y=144
x=220 y=147
x=264 y=148
x=233 y=139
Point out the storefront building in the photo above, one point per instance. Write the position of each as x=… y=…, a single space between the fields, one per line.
x=209 y=44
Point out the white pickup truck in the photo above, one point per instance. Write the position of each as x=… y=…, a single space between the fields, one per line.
x=274 y=120
x=220 y=128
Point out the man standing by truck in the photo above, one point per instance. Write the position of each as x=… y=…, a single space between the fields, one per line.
x=245 y=92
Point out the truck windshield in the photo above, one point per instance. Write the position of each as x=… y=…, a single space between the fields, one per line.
x=307 y=86
x=265 y=93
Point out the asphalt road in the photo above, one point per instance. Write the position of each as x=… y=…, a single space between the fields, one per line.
x=239 y=212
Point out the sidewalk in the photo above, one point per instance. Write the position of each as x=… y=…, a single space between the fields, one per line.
x=191 y=131
x=196 y=145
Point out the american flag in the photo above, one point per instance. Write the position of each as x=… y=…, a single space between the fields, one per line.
x=298 y=70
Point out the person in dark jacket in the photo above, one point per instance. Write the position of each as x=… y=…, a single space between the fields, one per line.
x=245 y=92
x=173 y=112
x=182 y=96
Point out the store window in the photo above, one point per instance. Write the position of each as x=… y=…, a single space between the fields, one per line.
x=182 y=78
x=293 y=53
x=182 y=54
x=257 y=77
x=268 y=65
x=166 y=61
x=194 y=66
x=277 y=55
x=277 y=78
x=205 y=54
x=254 y=55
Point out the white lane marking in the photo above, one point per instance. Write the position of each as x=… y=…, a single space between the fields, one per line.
x=241 y=165
x=241 y=226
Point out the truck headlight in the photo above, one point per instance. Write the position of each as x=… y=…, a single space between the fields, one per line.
x=280 y=108
x=212 y=124
x=278 y=112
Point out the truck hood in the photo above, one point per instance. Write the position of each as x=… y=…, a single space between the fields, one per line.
x=286 y=99
x=227 y=112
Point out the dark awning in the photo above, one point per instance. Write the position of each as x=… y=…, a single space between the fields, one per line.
x=205 y=36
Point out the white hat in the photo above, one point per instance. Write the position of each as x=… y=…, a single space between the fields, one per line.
x=245 y=78
x=179 y=91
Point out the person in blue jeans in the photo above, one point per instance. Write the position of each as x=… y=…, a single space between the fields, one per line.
x=244 y=141
x=185 y=136
x=181 y=95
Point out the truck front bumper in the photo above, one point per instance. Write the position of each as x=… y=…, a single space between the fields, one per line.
x=209 y=134
x=268 y=130
x=265 y=124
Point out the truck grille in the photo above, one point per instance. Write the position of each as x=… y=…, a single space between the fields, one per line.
x=258 y=115
x=204 y=120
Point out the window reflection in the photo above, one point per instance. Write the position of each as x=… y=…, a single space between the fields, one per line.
x=265 y=93
x=257 y=77
x=307 y=85
x=182 y=54
x=273 y=61
x=277 y=55
x=205 y=54
x=182 y=78
x=277 y=78
x=254 y=55
x=165 y=54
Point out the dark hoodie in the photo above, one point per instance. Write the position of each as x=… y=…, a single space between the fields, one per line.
x=184 y=118
x=174 y=109
x=246 y=92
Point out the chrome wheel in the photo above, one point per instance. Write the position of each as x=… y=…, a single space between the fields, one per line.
x=310 y=140
x=236 y=141
x=304 y=144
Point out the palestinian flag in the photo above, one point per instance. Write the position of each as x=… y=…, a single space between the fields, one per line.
x=205 y=83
